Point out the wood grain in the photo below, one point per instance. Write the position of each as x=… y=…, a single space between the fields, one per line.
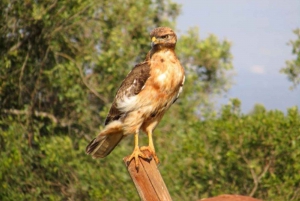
x=148 y=181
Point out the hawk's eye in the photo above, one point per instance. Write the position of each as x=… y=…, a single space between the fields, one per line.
x=165 y=36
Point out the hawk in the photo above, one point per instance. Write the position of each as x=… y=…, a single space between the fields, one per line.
x=144 y=96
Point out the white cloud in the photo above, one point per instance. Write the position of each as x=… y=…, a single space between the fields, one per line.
x=257 y=69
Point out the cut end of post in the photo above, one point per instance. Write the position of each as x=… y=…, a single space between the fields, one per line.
x=147 y=180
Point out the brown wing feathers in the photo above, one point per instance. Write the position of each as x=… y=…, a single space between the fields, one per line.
x=130 y=86
x=109 y=138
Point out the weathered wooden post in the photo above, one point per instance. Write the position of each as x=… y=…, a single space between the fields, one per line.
x=148 y=181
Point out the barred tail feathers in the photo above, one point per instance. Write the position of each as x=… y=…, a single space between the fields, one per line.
x=106 y=141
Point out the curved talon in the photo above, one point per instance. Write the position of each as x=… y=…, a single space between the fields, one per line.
x=152 y=153
x=135 y=155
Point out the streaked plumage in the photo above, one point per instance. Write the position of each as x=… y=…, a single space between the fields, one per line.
x=143 y=97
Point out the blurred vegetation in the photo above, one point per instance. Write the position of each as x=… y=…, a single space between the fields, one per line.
x=255 y=154
x=292 y=69
x=61 y=63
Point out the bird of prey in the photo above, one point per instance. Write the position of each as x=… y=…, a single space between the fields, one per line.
x=144 y=96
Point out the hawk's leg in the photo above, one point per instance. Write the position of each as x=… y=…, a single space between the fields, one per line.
x=136 y=152
x=151 y=148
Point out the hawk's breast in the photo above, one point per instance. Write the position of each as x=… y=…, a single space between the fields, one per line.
x=165 y=81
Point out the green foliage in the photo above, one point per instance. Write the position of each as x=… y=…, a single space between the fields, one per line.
x=292 y=69
x=57 y=169
x=255 y=154
x=207 y=63
x=60 y=65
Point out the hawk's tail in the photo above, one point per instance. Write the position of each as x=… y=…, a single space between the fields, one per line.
x=106 y=141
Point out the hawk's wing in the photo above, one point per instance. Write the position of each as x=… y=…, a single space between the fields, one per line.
x=131 y=86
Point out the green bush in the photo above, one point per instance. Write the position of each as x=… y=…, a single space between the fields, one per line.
x=255 y=154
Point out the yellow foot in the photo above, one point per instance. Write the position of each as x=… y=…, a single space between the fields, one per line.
x=135 y=155
x=152 y=153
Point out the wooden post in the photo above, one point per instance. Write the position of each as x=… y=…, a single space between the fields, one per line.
x=148 y=181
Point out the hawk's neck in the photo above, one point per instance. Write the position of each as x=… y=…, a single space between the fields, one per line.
x=161 y=51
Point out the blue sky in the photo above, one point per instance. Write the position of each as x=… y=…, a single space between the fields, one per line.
x=259 y=31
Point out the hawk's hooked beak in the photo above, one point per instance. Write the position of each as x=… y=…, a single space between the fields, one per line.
x=153 y=39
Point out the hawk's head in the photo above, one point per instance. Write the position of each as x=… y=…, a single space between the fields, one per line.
x=163 y=37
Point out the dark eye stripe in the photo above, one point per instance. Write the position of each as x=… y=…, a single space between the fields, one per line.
x=165 y=36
